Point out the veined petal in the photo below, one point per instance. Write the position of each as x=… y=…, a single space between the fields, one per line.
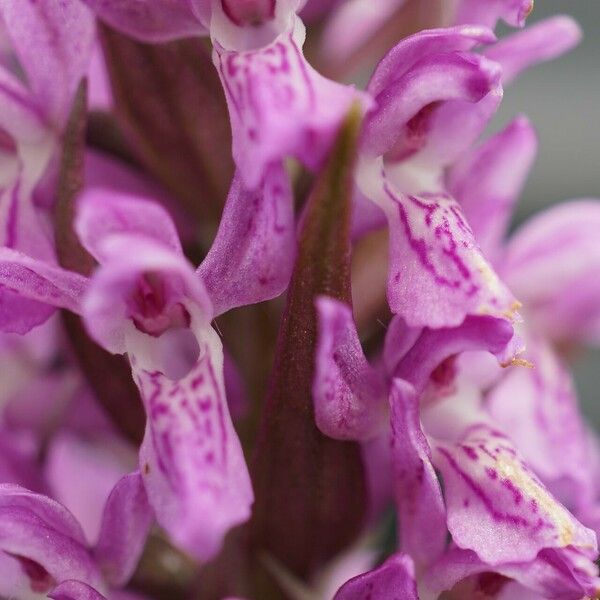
x=102 y=213
x=279 y=105
x=42 y=544
x=349 y=395
x=436 y=78
x=421 y=511
x=30 y=289
x=497 y=506
x=149 y=20
x=75 y=590
x=53 y=41
x=125 y=524
x=191 y=459
x=395 y=578
x=402 y=57
x=552 y=263
x=252 y=257
x=538 y=43
x=489 y=12
x=438 y=274
x=539 y=408
x=488 y=181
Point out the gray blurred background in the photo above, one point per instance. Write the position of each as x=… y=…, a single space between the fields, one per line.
x=562 y=99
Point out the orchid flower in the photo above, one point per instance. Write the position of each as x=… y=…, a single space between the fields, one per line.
x=44 y=551
x=191 y=460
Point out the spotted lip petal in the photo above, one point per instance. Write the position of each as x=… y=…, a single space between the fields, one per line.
x=349 y=395
x=438 y=274
x=395 y=578
x=191 y=459
x=279 y=105
x=251 y=259
x=497 y=507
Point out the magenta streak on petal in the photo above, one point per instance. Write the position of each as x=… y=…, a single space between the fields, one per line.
x=420 y=246
x=488 y=503
x=11 y=225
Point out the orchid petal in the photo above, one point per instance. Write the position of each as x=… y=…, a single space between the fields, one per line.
x=75 y=590
x=279 y=106
x=149 y=20
x=539 y=408
x=437 y=274
x=552 y=262
x=104 y=213
x=394 y=579
x=497 y=506
x=421 y=511
x=251 y=259
x=191 y=459
x=436 y=78
x=541 y=42
x=107 y=306
x=402 y=57
x=489 y=180
x=348 y=393
x=489 y=12
x=565 y=574
x=53 y=41
x=44 y=539
x=125 y=525
x=30 y=289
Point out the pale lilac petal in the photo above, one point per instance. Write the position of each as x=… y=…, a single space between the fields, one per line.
x=552 y=263
x=459 y=77
x=566 y=574
x=363 y=18
x=31 y=288
x=125 y=525
x=488 y=181
x=349 y=395
x=109 y=307
x=102 y=213
x=395 y=578
x=75 y=590
x=538 y=43
x=497 y=506
x=538 y=407
x=20 y=115
x=149 y=20
x=98 y=468
x=43 y=538
x=421 y=511
x=191 y=459
x=437 y=275
x=53 y=41
x=489 y=12
x=402 y=57
x=252 y=257
x=279 y=105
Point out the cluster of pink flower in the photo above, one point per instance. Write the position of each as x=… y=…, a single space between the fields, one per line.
x=126 y=154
